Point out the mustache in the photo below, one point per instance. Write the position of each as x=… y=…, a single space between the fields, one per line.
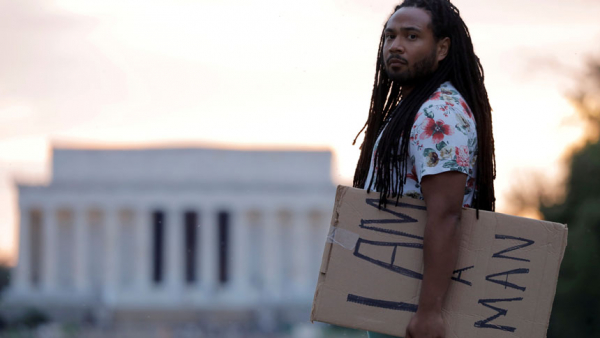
x=396 y=57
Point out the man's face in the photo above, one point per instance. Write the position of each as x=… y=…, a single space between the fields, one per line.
x=410 y=51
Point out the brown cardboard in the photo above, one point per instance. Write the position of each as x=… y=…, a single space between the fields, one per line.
x=503 y=286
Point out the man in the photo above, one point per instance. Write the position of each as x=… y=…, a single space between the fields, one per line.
x=429 y=136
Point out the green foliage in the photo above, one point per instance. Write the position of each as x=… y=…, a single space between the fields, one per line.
x=4 y=277
x=583 y=186
x=576 y=310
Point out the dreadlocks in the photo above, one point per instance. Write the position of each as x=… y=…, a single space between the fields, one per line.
x=463 y=69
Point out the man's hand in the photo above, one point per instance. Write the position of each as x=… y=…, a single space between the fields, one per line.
x=426 y=325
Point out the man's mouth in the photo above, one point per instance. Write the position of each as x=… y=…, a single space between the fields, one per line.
x=395 y=61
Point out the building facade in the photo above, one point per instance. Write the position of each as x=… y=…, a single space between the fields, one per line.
x=185 y=230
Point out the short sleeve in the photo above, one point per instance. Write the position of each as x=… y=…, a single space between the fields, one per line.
x=443 y=138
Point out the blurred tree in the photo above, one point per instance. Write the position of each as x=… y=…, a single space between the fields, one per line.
x=4 y=276
x=576 y=310
x=587 y=99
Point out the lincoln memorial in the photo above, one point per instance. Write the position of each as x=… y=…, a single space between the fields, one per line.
x=186 y=231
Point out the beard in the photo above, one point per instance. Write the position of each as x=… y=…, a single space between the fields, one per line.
x=415 y=73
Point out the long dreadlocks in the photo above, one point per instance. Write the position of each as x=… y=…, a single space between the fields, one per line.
x=463 y=69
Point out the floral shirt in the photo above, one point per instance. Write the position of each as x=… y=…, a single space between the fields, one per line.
x=443 y=138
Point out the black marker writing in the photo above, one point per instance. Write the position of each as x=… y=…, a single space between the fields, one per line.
x=400 y=218
x=389 y=264
x=501 y=312
x=500 y=254
x=459 y=272
x=386 y=304
x=505 y=282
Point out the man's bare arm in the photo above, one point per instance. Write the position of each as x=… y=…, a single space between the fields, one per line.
x=443 y=195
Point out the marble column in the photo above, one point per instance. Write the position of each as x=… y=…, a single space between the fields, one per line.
x=23 y=272
x=209 y=251
x=82 y=281
x=240 y=248
x=49 y=247
x=273 y=256
x=143 y=255
x=112 y=254
x=300 y=222
x=175 y=247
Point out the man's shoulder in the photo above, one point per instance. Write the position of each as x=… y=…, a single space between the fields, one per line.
x=446 y=95
x=445 y=101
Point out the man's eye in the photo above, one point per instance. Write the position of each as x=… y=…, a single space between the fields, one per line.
x=412 y=36
x=389 y=36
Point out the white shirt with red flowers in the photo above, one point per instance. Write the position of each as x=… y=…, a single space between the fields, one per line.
x=443 y=138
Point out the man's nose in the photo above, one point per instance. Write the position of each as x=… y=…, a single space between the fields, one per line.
x=397 y=46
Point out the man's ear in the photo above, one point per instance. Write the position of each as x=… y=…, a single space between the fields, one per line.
x=443 y=46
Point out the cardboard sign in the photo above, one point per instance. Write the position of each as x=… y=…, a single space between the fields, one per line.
x=370 y=277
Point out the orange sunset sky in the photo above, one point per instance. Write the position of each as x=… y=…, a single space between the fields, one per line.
x=263 y=73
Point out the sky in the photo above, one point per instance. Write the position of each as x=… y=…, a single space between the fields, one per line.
x=266 y=74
